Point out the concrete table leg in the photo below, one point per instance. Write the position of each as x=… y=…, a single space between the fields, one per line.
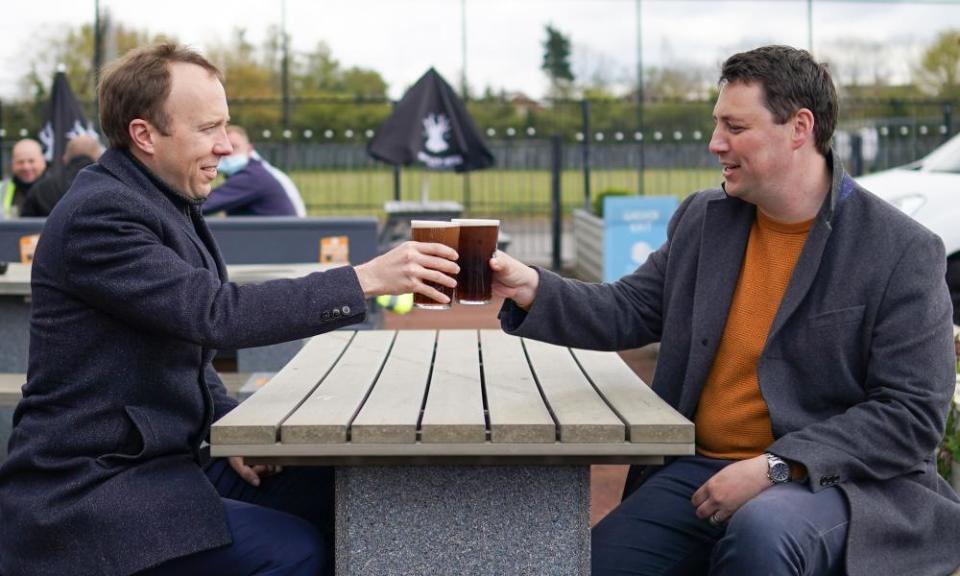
x=480 y=520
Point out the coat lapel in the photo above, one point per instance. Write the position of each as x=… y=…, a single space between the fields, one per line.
x=123 y=168
x=726 y=229
x=809 y=262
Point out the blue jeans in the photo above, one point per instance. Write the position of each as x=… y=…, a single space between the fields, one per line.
x=283 y=527
x=786 y=529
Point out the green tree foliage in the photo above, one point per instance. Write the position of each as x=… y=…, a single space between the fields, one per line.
x=74 y=50
x=556 y=62
x=939 y=70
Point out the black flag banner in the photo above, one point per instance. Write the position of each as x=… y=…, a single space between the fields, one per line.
x=64 y=121
x=431 y=125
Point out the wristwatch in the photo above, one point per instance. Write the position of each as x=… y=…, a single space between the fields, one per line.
x=778 y=471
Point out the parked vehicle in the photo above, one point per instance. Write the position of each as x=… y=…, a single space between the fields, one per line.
x=928 y=190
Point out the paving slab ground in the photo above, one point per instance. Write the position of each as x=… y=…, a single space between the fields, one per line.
x=606 y=482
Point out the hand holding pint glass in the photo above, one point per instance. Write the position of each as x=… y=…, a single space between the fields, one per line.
x=478 y=243
x=446 y=233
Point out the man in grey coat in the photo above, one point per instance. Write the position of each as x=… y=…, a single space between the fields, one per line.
x=131 y=300
x=805 y=327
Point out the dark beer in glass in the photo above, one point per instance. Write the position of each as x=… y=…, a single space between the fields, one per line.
x=443 y=233
x=478 y=242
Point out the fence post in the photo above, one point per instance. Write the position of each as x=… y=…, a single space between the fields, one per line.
x=396 y=167
x=585 y=147
x=3 y=161
x=947 y=120
x=856 y=154
x=556 y=204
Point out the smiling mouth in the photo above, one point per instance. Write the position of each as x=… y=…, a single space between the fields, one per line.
x=729 y=168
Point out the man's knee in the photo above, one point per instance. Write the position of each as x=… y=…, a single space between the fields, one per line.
x=775 y=531
x=302 y=552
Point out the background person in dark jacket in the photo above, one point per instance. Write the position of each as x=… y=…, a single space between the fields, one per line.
x=81 y=151
x=805 y=327
x=28 y=166
x=251 y=189
x=130 y=303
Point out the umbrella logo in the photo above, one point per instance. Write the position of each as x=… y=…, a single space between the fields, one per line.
x=437 y=154
x=436 y=127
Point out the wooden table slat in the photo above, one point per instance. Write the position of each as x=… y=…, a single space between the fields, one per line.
x=648 y=417
x=581 y=414
x=258 y=419
x=517 y=411
x=392 y=410
x=454 y=409
x=326 y=414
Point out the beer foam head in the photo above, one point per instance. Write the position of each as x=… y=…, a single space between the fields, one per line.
x=475 y=222
x=431 y=224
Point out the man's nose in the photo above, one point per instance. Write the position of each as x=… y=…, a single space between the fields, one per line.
x=718 y=143
x=223 y=147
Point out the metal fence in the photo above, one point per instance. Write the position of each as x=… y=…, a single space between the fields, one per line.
x=588 y=148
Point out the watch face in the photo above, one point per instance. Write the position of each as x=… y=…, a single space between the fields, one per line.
x=779 y=472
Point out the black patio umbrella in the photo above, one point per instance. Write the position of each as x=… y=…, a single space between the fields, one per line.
x=431 y=126
x=64 y=121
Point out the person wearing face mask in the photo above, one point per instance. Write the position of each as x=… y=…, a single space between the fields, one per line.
x=250 y=189
x=28 y=166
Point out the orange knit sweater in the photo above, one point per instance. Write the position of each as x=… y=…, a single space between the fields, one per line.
x=732 y=421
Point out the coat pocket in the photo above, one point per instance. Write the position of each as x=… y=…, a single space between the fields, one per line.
x=837 y=317
x=134 y=442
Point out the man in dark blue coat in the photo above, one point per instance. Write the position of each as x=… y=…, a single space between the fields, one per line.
x=130 y=303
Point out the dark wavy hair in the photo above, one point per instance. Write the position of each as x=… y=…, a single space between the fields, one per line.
x=791 y=79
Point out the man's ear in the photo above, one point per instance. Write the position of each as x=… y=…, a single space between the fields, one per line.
x=802 y=128
x=141 y=135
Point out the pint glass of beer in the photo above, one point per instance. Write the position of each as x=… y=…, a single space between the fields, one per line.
x=443 y=233
x=478 y=242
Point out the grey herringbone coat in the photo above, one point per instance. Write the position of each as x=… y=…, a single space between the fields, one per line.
x=858 y=367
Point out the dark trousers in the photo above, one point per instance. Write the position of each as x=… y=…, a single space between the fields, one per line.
x=283 y=527
x=786 y=529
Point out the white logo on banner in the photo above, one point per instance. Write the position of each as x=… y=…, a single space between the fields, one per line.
x=436 y=127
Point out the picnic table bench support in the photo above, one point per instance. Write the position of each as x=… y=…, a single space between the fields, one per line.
x=463 y=520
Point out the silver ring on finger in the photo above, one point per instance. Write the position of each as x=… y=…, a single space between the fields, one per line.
x=715 y=519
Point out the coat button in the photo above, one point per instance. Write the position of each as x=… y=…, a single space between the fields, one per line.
x=325 y=316
x=346 y=310
x=335 y=313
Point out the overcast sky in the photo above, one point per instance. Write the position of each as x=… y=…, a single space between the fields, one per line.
x=402 y=38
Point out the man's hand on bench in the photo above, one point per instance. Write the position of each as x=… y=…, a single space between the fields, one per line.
x=252 y=474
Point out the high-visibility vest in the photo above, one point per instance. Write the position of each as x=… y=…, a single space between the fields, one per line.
x=9 y=189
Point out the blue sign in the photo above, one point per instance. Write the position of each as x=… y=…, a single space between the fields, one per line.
x=634 y=226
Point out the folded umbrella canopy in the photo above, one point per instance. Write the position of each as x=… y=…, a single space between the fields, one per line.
x=64 y=121
x=430 y=125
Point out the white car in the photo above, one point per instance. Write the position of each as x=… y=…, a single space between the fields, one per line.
x=928 y=190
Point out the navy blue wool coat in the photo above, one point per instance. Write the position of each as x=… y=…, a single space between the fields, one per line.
x=130 y=303
x=858 y=367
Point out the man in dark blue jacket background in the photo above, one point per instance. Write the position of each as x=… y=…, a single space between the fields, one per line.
x=251 y=188
x=130 y=303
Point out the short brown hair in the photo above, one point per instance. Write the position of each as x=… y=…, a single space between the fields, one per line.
x=791 y=79
x=137 y=86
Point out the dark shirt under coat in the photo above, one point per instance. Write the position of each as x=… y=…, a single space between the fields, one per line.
x=130 y=303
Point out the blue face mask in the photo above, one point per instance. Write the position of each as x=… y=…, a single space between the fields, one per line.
x=230 y=165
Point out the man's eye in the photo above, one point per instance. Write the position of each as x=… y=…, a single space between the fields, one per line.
x=735 y=129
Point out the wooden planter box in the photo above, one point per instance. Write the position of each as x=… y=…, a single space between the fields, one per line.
x=588 y=242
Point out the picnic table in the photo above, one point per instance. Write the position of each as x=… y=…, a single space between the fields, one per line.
x=15 y=312
x=456 y=451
